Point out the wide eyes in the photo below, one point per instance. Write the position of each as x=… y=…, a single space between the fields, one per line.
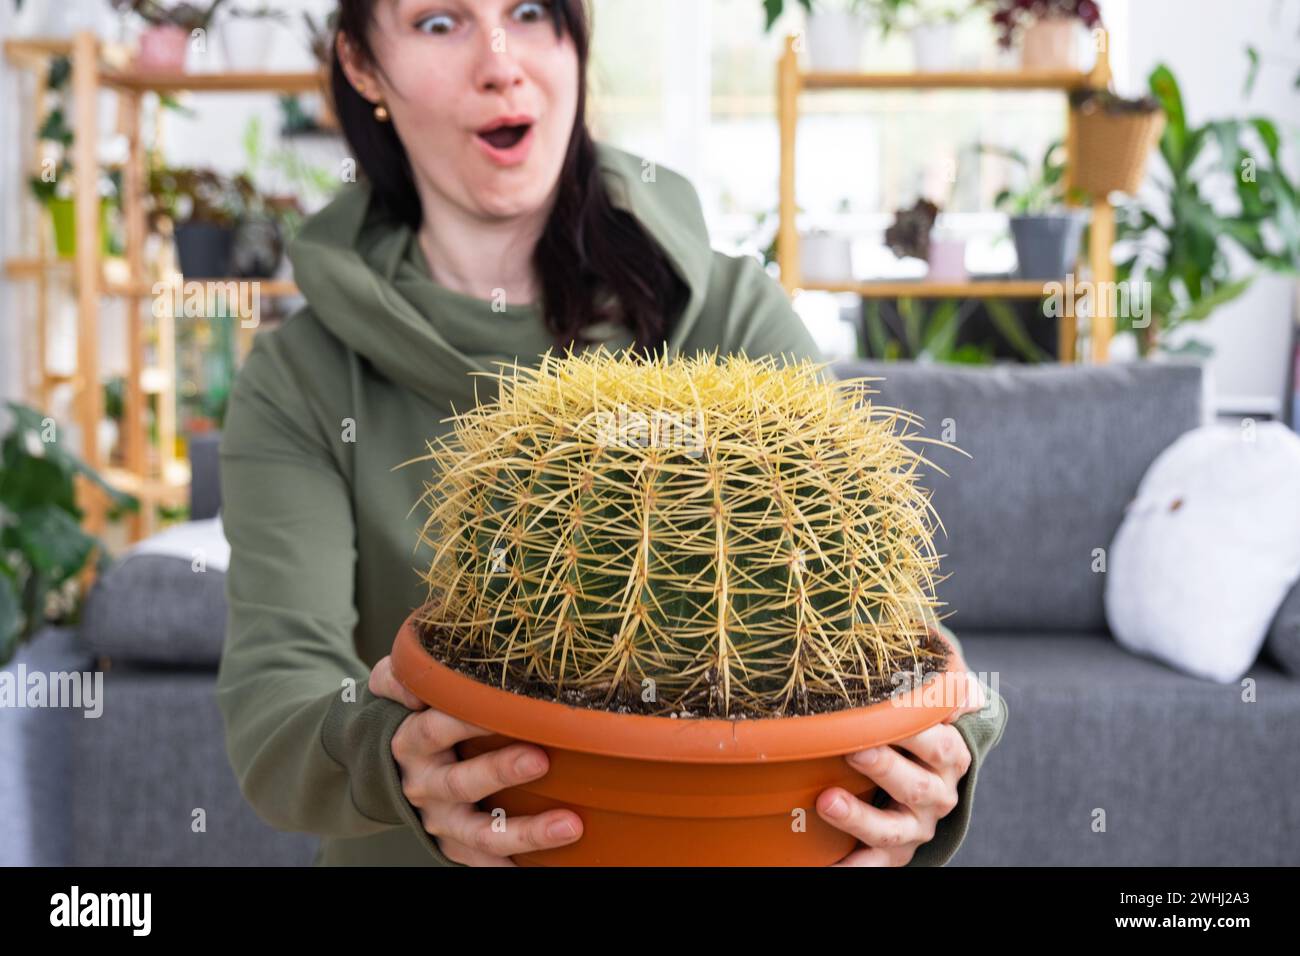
x=440 y=24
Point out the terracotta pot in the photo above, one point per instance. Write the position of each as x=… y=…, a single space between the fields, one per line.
x=163 y=49
x=659 y=791
x=1050 y=44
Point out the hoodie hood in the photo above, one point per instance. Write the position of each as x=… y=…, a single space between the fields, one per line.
x=357 y=270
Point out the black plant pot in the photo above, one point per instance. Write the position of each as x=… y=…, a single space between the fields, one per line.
x=203 y=249
x=1047 y=246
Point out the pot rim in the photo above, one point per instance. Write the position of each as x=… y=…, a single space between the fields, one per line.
x=1063 y=215
x=681 y=740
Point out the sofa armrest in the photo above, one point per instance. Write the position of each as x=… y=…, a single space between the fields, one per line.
x=157 y=609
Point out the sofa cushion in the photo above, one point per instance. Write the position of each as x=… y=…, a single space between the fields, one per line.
x=155 y=608
x=1185 y=772
x=152 y=785
x=1057 y=452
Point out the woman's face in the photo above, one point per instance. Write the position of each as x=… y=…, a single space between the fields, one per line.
x=449 y=69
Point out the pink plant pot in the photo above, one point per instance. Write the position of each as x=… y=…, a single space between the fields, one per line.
x=947 y=260
x=163 y=50
x=1049 y=44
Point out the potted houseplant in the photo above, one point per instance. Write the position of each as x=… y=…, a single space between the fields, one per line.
x=53 y=186
x=913 y=234
x=930 y=26
x=55 y=193
x=1115 y=138
x=1047 y=235
x=247 y=36
x=204 y=208
x=1180 y=242
x=43 y=548
x=697 y=583
x=170 y=26
x=836 y=30
x=825 y=257
x=1048 y=29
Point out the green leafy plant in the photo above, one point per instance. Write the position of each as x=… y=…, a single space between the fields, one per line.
x=305 y=181
x=773 y=9
x=264 y=12
x=892 y=15
x=320 y=35
x=1043 y=190
x=43 y=547
x=933 y=334
x=741 y=536
x=55 y=131
x=888 y=15
x=1179 y=242
x=187 y=16
x=187 y=194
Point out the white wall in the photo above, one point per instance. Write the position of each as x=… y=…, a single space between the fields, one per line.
x=1204 y=43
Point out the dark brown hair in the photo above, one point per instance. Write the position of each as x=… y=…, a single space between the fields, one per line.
x=588 y=247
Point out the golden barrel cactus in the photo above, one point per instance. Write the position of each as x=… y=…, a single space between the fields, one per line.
x=698 y=536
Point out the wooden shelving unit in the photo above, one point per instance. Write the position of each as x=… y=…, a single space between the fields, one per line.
x=91 y=276
x=792 y=82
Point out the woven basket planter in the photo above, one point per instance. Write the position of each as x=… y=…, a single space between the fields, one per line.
x=1113 y=148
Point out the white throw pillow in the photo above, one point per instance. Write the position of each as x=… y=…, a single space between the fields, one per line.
x=1208 y=549
x=190 y=540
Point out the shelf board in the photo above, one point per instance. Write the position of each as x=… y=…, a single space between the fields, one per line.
x=135 y=81
x=19 y=267
x=920 y=289
x=34 y=52
x=171 y=489
x=267 y=287
x=991 y=80
x=29 y=268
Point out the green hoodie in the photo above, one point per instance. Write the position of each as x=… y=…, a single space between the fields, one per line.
x=323 y=569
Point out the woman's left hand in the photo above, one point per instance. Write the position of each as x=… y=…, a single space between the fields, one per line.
x=920 y=773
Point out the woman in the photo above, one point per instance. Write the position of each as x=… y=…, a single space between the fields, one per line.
x=487 y=226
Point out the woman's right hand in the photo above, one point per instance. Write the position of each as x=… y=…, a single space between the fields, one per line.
x=444 y=788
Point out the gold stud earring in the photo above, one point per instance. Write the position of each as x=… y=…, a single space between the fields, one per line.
x=381 y=112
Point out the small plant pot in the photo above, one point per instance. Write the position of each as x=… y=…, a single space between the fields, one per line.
x=1047 y=247
x=203 y=249
x=947 y=260
x=163 y=49
x=1050 y=44
x=835 y=39
x=932 y=47
x=825 y=258
x=63 y=216
x=246 y=43
x=1114 y=148
x=660 y=791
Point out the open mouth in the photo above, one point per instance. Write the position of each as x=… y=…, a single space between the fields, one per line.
x=506 y=136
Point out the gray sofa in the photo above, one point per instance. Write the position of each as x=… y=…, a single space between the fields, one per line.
x=1108 y=758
